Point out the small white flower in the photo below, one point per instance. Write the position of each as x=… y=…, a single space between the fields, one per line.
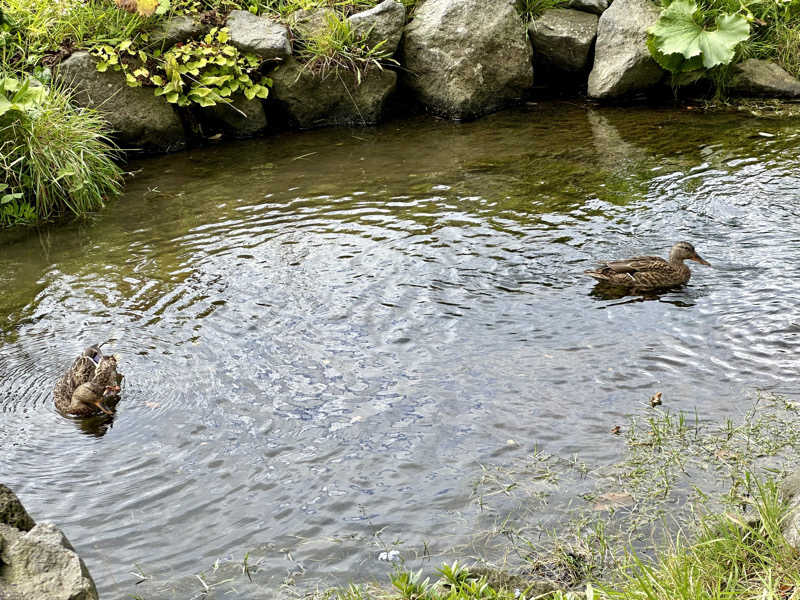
x=390 y=556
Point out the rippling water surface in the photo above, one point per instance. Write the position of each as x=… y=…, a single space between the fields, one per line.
x=324 y=335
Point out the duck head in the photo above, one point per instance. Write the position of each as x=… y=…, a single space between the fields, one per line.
x=685 y=251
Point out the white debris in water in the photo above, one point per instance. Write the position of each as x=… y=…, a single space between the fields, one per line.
x=390 y=556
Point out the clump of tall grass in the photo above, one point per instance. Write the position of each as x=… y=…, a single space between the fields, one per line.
x=338 y=48
x=55 y=159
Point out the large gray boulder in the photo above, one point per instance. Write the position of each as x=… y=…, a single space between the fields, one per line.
x=141 y=120
x=259 y=35
x=310 y=101
x=596 y=7
x=622 y=62
x=382 y=22
x=12 y=512
x=754 y=77
x=37 y=562
x=242 y=118
x=43 y=565
x=466 y=58
x=563 y=38
x=309 y=23
x=177 y=29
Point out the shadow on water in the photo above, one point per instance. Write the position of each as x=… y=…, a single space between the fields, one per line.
x=96 y=426
x=605 y=293
x=324 y=335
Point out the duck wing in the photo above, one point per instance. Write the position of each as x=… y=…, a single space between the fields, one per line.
x=82 y=371
x=637 y=264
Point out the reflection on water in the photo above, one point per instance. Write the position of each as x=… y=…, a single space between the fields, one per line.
x=325 y=334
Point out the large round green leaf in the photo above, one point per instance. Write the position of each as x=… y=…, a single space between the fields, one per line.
x=677 y=32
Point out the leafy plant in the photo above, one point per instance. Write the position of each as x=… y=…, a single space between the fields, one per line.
x=16 y=95
x=679 y=43
x=210 y=71
x=203 y=72
x=454 y=575
x=411 y=585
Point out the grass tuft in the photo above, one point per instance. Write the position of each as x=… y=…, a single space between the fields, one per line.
x=58 y=158
x=337 y=48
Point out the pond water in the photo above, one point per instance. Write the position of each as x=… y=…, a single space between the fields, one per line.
x=326 y=334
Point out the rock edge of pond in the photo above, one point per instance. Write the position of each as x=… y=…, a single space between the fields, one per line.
x=456 y=59
x=37 y=562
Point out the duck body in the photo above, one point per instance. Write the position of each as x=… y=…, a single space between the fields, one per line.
x=648 y=273
x=88 y=383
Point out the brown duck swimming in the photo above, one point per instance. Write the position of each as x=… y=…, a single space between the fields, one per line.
x=90 y=381
x=647 y=273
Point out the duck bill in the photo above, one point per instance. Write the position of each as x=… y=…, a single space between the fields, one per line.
x=698 y=258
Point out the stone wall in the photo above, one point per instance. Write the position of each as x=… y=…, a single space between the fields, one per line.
x=458 y=59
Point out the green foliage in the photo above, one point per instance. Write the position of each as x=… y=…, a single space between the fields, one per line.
x=20 y=96
x=36 y=29
x=210 y=71
x=197 y=72
x=410 y=585
x=679 y=43
x=54 y=159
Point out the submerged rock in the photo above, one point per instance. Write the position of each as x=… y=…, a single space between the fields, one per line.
x=622 y=62
x=310 y=101
x=259 y=35
x=383 y=22
x=763 y=78
x=40 y=563
x=140 y=119
x=466 y=58
x=563 y=38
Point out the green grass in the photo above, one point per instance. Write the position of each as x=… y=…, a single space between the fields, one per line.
x=59 y=158
x=730 y=558
x=337 y=48
x=36 y=27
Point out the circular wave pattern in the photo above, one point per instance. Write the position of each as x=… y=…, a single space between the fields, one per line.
x=316 y=350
